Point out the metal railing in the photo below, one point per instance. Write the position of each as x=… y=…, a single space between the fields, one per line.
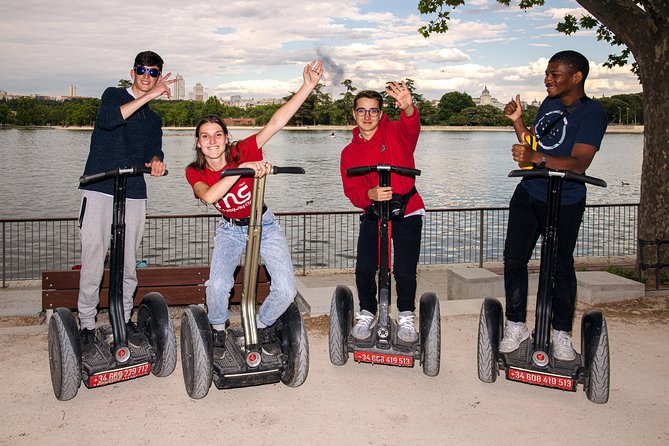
x=318 y=240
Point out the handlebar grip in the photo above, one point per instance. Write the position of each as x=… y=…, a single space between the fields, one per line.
x=359 y=170
x=406 y=171
x=241 y=171
x=293 y=170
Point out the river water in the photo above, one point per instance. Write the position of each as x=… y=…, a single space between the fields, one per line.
x=41 y=167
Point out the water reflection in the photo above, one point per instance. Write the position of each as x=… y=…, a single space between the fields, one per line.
x=459 y=169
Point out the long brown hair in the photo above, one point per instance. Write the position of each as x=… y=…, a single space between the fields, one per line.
x=200 y=162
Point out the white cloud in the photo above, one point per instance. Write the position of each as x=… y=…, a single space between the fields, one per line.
x=257 y=47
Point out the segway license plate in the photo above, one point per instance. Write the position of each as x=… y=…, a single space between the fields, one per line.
x=383 y=358
x=116 y=375
x=541 y=379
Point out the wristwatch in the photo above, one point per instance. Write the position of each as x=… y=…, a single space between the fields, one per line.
x=542 y=163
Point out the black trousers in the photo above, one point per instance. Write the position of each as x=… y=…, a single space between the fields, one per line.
x=406 y=237
x=527 y=221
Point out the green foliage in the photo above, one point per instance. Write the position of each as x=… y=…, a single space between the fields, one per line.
x=124 y=83
x=453 y=103
x=454 y=108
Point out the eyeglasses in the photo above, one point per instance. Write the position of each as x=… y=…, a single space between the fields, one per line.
x=373 y=112
x=153 y=72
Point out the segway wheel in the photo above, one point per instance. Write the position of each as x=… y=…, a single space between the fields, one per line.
x=341 y=321
x=597 y=358
x=295 y=345
x=196 y=352
x=64 y=355
x=490 y=323
x=430 y=334
x=153 y=319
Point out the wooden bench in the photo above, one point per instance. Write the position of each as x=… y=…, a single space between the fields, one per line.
x=181 y=285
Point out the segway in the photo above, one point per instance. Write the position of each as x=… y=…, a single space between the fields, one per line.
x=112 y=359
x=247 y=360
x=532 y=363
x=383 y=346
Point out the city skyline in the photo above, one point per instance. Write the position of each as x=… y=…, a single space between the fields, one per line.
x=256 y=49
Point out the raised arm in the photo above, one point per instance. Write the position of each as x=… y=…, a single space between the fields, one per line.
x=312 y=74
x=161 y=88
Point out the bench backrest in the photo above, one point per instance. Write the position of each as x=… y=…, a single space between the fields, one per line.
x=182 y=285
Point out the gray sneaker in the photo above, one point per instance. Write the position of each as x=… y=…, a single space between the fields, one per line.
x=365 y=321
x=563 y=350
x=514 y=334
x=406 y=328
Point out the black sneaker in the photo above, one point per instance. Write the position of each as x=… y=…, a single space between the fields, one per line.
x=219 y=343
x=268 y=341
x=87 y=339
x=135 y=338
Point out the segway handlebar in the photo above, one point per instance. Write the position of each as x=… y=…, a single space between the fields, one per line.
x=117 y=172
x=361 y=170
x=247 y=172
x=546 y=173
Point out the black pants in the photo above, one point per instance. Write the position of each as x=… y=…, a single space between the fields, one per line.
x=406 y=236
x=527 y=221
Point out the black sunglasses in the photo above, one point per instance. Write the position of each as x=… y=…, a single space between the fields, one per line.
x=153 y=72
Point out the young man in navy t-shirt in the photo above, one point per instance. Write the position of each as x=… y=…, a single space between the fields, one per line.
x=569 y=128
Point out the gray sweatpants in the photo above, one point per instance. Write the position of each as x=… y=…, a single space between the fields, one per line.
x=95 y=219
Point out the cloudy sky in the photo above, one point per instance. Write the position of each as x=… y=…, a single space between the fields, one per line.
x=256 y=48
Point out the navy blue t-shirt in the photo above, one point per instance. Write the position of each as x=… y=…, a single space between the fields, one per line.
x=558 y=130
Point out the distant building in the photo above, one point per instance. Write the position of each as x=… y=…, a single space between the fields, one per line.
x=198 y=93
x=238 y=122
x=487 y=99
x=72 y=91
x=237 y=101
x=179 y=88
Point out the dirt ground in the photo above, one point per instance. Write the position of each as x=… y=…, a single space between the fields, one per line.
x=354 y=403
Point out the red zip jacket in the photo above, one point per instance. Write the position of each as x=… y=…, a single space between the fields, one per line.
x=394 y=143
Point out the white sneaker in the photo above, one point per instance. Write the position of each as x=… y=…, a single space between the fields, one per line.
x=365 y=321
x=407 y=329
x=514 y=334
x=563 y=350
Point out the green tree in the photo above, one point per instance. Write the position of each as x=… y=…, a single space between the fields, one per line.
x=124 y=83
x=484 y=115
x=640 y=28
x=453 y=103
x=5 y=114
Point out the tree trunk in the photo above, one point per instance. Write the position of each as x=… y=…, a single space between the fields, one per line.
x=646 y=34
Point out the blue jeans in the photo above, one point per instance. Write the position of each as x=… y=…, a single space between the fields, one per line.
x=527 y=221
x=229 y=245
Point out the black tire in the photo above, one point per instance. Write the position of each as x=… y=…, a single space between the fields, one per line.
x=294 y=344
x=597 y=388
x=196 y=352
x=64 y=355
x=430 y=345
x=341 y=321
x=153 y=319
x=488 y=340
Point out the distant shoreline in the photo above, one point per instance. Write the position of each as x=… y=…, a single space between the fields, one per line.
x=635 y=129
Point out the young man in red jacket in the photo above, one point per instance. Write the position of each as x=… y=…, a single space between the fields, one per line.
x=378 y=140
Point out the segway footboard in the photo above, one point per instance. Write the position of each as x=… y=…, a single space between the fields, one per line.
x=233 y=369
x=99 y=367
x=518 y=366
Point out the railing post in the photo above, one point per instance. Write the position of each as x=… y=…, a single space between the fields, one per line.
x=304 y=244
x=481 y=239
x=4 y=263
